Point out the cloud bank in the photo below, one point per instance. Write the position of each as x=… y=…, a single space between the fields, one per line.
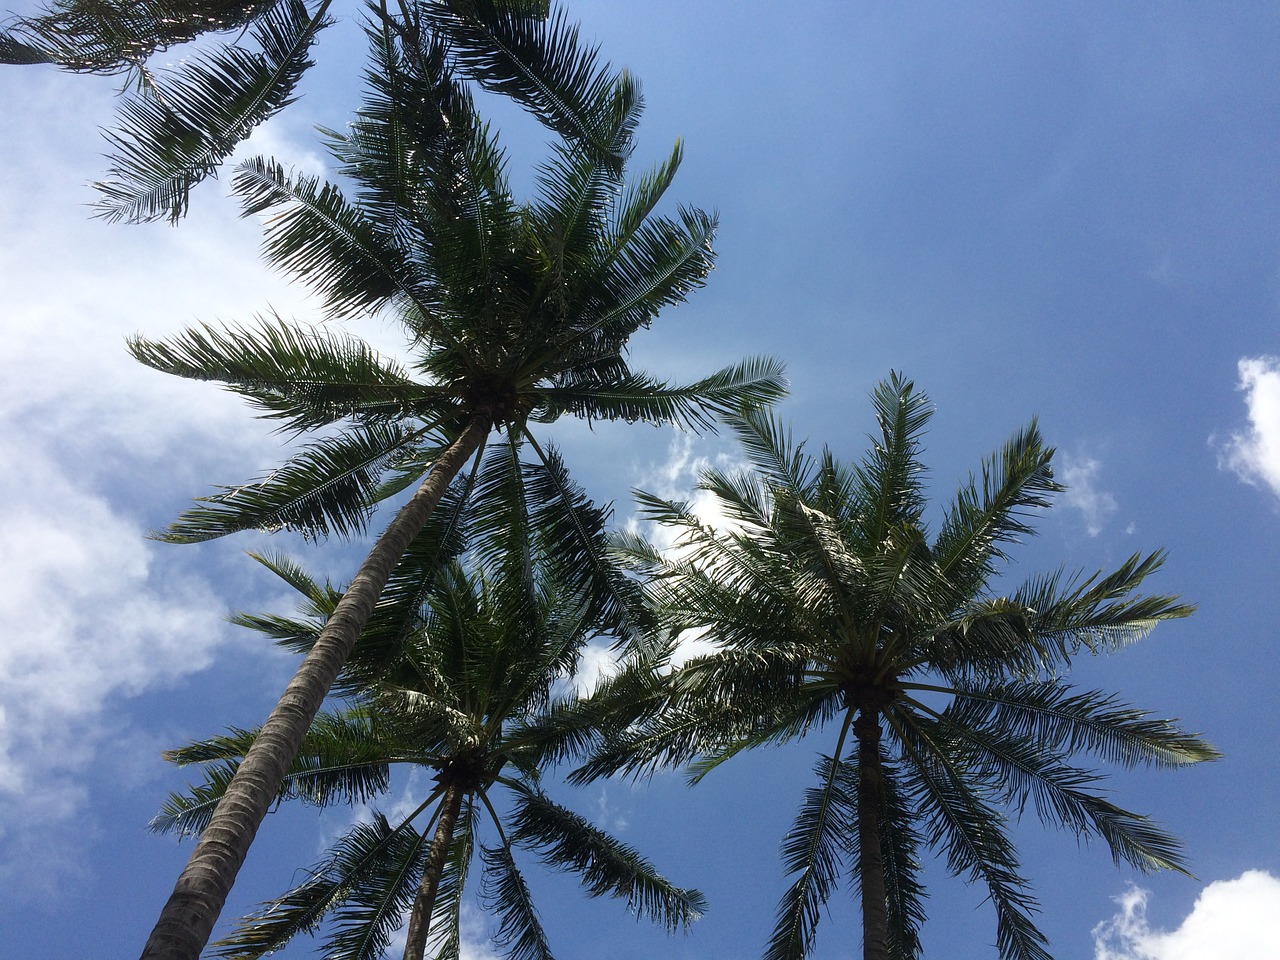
x=1237 y=919
x=1254 y=454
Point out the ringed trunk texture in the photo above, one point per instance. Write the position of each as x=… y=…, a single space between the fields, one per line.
x=875 y=916
x=424 y=903
x=188 y=917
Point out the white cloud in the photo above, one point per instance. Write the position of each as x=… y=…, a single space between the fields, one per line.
x=1080 y=477
x=96 y=450
x=607 y=816
x=676 y=479
x=1255 y=454
x=1237 y=919
x=89 y=620
x=475 y=942
x=598 y=662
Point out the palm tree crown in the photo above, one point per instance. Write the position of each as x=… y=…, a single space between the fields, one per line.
x=517 y=314
x=457 y=675
x=833 y=610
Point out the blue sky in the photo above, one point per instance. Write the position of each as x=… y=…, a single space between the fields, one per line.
x=1066 y=211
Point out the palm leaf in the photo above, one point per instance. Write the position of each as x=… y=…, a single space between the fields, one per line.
x=571 y=533
x=1052 y=714
x=1099 y=612
x=314 y=234
x=328 y=487
x=519 y=930
x=374 y=903
x=664 y=262
x=639 y=397
x=306 y=377
x=369 y=855
x=1021 y=769
x=117 y=36
x=891 y=473
x=814 y=848
x=541 y=64
x=900 y=844
x=177 y=129
x=971 y=834
x=566 y=840
x=341 y=760
x=1014 y=482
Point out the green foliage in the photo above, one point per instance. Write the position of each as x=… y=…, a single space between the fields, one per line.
x=515 y=314
x=829 y=601
x=179 y=122
x=458 y=675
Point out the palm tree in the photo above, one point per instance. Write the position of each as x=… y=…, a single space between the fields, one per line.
x=941 y=698
x=457 y=676
x=516 y=313
x=180 y=121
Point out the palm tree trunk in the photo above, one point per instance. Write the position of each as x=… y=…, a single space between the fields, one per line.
x=875 y=916
x=188 y=917
x=424 y=903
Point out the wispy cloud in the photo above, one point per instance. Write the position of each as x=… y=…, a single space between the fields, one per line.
x=1237 y=918
x=1080 y=476
x=1254 y=454
x=676 y=478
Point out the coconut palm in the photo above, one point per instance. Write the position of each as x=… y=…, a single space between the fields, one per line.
x=457 y=678
x=938 y=695
x=178 y=122
x=517 y=314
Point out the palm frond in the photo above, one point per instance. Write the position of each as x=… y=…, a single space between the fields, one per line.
x=987 y=514
x=117 y=36
x=638 y=397
x=519 y=930
x=1052 y=714
x=815 y=849
x=712 y=718
x=578 y=190
x=1022 y=769
x=664 y=262
x=399 y=117
x=176 y=129
x=891 y=472
x=328 y=487
x=314 y=234
x=569 y=727
x=970 y=832
x=390 y=649
x=373 y=905
x=541 y=63
x=319 y=599
x=985 y=637
x=304 y=376
x=639 y=200
x=341 y=760
x=1100 y=612
x=565 y=840
x=370 y=860
x=900 y=845
x=571 y=535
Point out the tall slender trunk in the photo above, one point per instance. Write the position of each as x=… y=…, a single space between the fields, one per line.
x=875 y=916
x=424 y=903
x=192 y=909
